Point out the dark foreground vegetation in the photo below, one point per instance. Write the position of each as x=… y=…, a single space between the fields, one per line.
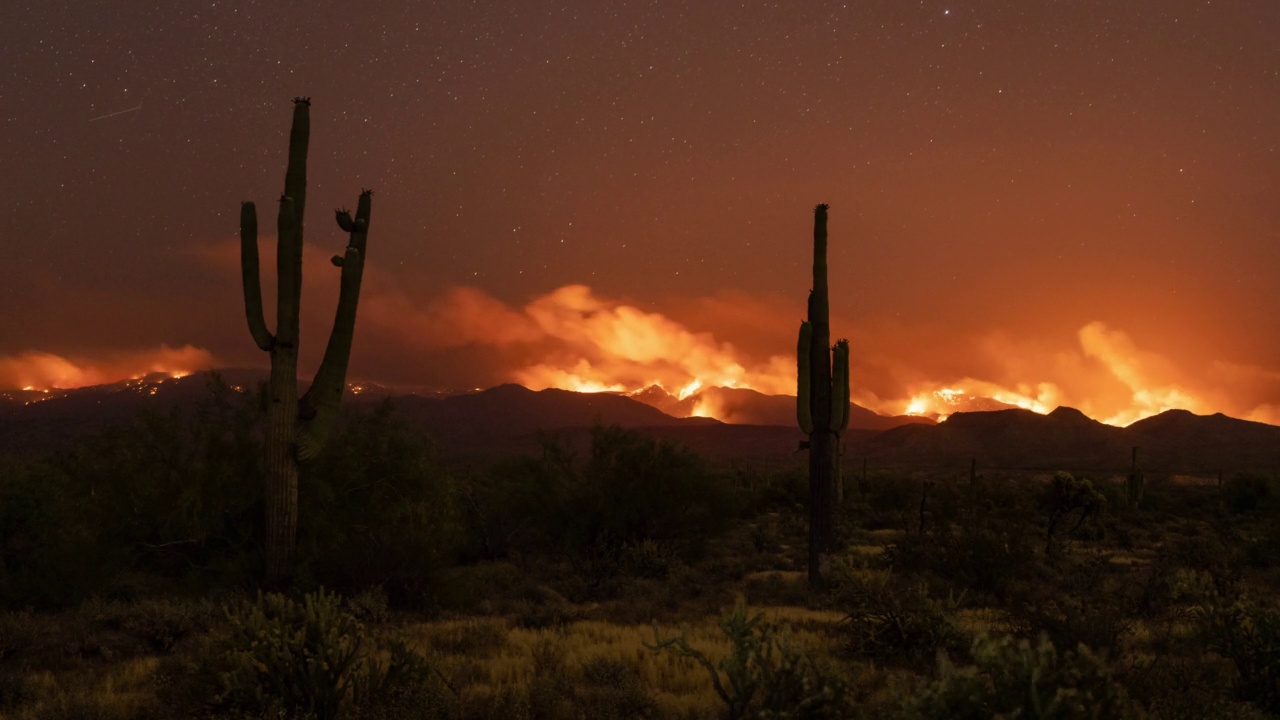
x=630 y=579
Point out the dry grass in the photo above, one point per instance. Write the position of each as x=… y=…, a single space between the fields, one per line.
x=489 y=658
x=125 y=690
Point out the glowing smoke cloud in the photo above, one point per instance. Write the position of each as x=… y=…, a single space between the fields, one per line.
x=44 y=371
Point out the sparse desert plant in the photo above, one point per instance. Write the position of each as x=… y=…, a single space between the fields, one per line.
x=985 y=556
x=1013 y=678
x=764 y=675
x=888 y=620
x=309 y=657
x=634 y=504
x=1090 y=603
x=1068 y=497
x=611 y=690
x=159 y=622
x=1251 y=494
x=1246 y=631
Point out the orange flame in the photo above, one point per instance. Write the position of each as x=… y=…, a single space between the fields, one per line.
x=1148 y=390
x=606 y=346
x=35 y=370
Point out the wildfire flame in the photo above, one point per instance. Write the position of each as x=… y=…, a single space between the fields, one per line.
x=44 y=371
x=606 y=346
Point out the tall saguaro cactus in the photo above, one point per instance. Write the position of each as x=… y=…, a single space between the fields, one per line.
x=822 y=398
x=297 y=428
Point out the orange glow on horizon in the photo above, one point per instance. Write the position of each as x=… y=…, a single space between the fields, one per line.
x=42 y=371
x=608 y=346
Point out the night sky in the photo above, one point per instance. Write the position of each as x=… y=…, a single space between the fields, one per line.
x=1051 y=202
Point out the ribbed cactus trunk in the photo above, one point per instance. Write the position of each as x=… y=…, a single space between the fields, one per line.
x=297 y=427
x=822 y=399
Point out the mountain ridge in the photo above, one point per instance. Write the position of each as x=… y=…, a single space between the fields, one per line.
x=509 y=419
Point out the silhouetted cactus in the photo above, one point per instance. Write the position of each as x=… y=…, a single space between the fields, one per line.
x=297 y=427
x=1134 y=484
x=822 y=397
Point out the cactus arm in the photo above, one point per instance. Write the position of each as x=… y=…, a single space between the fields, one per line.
x=295 y=175
x=250 y=277
x=288 y=273
x=840 y=387
x=804 y=414
x=319 y=406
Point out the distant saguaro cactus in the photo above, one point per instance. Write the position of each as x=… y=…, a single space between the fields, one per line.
x=822 y=398
x=1135 y=484
x=297 y=427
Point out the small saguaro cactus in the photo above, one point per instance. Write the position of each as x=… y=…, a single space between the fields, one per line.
x=297 y=428
x=822 y=398
x=1135 y=484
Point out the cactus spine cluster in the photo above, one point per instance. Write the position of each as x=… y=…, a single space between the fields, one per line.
x=297 y=428
x=822 y=397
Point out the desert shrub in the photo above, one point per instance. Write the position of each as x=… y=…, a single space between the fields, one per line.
x=783 y=488
x=985 y=555
x=633 y=504
x=1246 y=632
x=892 y=501
x=17 y=635
x=1250 y=494
x=307 y=657
x=777 y=588
x=1186 y=687
x=48 y=554
x=177 y=494
x=887 y=620
x=1263 y=551
x=1075 y=509
x=376 y=508
x=160 y=623
x=1012 y=678
x=610 y=690
x=648 y=559
x=764 y=675
x=1090 y=603
x=369 y=605
x=473 y=638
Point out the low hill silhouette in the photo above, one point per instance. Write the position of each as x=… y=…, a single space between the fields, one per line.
x=480 y=427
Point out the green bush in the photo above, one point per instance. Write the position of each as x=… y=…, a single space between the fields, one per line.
x=309 y=657
x=1014 y=679
x=764 y=675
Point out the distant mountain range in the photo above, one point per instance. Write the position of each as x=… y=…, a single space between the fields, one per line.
x=740 y=406
x=478 y=427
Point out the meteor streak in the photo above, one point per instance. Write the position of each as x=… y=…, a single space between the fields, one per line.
x=118 y=112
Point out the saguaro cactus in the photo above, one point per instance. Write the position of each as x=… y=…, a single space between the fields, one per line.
x=822 y=398
x=1134 y=484
x=297 y=427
